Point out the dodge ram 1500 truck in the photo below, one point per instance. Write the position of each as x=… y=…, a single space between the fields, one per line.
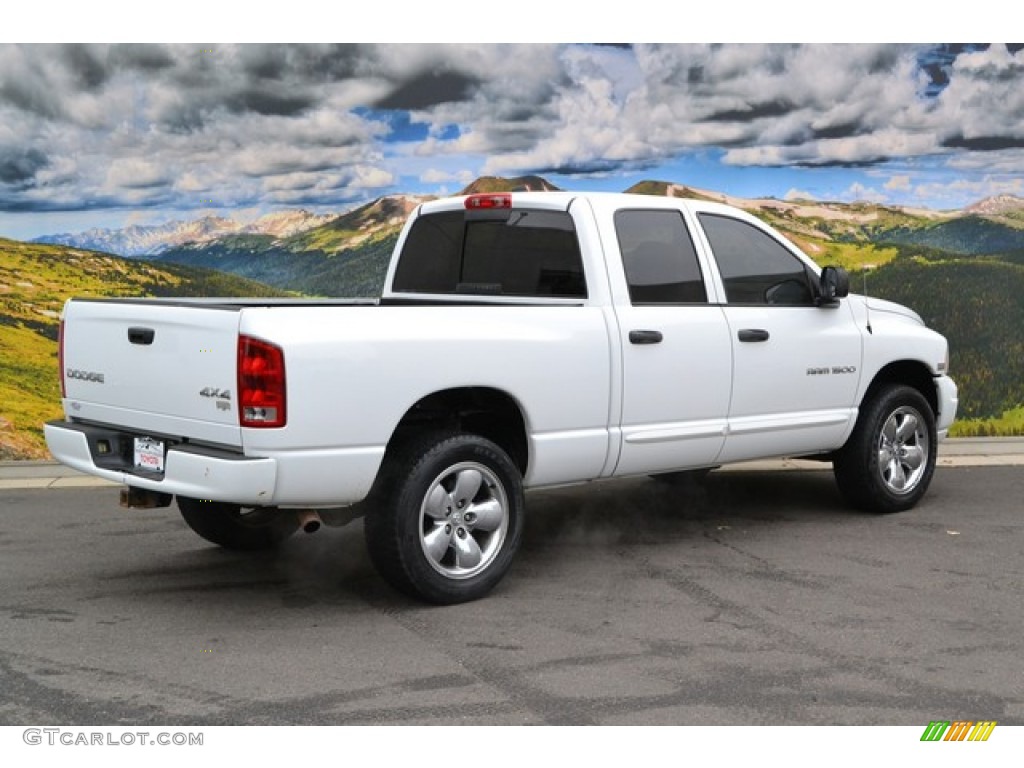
x=522 y=340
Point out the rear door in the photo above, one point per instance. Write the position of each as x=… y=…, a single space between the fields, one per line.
x=677 y=358
x=796 y=366
x=162 y=367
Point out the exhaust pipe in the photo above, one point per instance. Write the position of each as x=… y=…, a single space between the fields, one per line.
x=309 y=520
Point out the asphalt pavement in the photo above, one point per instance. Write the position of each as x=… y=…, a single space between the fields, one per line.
x=759 y=598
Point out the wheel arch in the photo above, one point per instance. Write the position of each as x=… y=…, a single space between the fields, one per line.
x=912 y=373
x=485 y=411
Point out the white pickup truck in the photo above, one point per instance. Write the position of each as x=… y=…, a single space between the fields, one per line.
x=522 y=340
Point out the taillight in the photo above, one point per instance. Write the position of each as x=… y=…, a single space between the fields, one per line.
x=261 y=395
x=60 y=356
x=490 y=200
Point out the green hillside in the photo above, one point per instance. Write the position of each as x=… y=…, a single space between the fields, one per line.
x=344 y=258
x=978 y=304
x=35 y=281
x=668 y=189
x=968 y=235
x=486 y=184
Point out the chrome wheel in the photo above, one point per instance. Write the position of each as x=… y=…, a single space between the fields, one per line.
x=889 y=459
x=903 y=450
x=463 y=520
x=445 y=518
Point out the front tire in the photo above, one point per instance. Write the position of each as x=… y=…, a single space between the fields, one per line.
x=446 y=517
x=888 y=462
x=234 y=527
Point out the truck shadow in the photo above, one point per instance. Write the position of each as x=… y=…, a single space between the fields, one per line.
x=643 y=510
x=332 y=567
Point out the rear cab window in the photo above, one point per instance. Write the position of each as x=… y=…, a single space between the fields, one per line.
x=658 y=257
x=521 y=252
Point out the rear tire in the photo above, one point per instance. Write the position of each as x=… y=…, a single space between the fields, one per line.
x=234 y=527
x=888 y=462
x=445 y=517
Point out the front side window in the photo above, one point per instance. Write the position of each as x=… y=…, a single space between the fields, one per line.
x=756 y=268
x=659 y=258
x=531 y=253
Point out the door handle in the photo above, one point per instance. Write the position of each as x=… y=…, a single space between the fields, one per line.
x=645 y=337
x=141 y=335
x=753 y=334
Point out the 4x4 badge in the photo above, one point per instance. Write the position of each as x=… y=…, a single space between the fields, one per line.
x=221 y=394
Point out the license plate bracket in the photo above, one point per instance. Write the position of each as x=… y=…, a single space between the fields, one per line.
x=149 y=454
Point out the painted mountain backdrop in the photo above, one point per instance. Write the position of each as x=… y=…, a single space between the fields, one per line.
x=154 y=239
x=346 y=254
x=962 y=270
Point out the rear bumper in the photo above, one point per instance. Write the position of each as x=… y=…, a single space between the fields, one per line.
x=945 y=389
x=202 y=473
x=296 y=478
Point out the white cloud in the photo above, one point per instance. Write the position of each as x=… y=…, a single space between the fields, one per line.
x=798 y=194
x=859 y=192
x=1007 y=161
x=443 y=177
x=898 y=183
x=135 y=173
x=984 y=100
x=436 y=176
x=960 y=192
x=93 y=125
x=369 y=177
x=770 y=105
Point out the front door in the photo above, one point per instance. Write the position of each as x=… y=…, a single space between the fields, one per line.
x=796 y=366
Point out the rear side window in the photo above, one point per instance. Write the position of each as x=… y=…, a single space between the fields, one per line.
x=756 y=268
x=532 y=253
x=659 y=258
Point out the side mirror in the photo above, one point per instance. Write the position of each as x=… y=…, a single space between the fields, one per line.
x=834 y=285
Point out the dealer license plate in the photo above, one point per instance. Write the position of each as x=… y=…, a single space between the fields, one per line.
x=149 y=454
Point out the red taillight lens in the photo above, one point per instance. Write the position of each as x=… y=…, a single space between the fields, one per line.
x=494 y=200
x=60 y=356
x=261 y=393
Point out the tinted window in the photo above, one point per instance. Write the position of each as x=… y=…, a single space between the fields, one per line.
x=756 y=268
x=659 y=258
x=533 y=253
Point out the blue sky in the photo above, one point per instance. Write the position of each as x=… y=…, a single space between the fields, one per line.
x=112 y=135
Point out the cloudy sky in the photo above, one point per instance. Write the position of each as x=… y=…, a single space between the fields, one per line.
x=108 y=135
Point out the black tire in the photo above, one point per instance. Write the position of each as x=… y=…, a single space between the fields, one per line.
x=234 y=528
x=888 y=462
x=445 y=518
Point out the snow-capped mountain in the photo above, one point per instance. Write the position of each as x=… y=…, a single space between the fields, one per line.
x=286 y=223
x=142 y=240
x=998 y=205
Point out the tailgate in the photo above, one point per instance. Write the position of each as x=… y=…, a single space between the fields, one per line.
x=160 y=368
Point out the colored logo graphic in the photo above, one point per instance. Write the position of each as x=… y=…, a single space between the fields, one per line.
x=958 y=730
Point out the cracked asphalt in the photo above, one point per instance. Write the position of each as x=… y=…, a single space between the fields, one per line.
x=756 y=599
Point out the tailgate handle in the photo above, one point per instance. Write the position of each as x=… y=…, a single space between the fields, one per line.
x=141 y=335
